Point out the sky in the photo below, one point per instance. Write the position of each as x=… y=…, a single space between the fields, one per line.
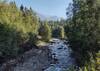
x=46 y=7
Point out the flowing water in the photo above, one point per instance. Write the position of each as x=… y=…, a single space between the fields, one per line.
x=62 y=56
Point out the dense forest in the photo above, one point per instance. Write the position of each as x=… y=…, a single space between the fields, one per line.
x=83 y=32
x=19 y=27
x=21 y=30
x=16 y=28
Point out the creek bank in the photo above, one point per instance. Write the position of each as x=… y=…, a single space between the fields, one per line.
x=55 y=56
x=33 y=60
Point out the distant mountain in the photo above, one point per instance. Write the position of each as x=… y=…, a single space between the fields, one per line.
x=53 y=18
x=49 y=18
x=42 y=17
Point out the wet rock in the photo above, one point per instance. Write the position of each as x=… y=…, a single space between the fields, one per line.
x=60 y=48
x=53 y=68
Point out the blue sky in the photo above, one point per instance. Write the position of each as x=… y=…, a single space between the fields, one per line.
x=46 y=7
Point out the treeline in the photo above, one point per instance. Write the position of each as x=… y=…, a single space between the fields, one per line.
x=83 y=32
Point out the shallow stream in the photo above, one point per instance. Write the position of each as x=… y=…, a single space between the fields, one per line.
x=61 y=54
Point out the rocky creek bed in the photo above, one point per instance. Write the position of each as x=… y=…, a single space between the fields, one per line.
x=56 y=56
x=61 y=55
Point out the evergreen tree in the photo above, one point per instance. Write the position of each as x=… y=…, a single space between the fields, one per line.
x=17 y=27
x=83 y=30
x=45 y=31
x=62 y=32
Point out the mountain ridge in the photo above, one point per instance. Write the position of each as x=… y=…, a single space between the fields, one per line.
x=49 y=18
